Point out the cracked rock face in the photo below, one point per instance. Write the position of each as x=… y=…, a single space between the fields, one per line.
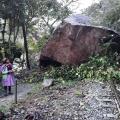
x=73 y=43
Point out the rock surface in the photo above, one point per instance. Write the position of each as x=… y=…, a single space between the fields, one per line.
x=73 y=43
x=47 y=82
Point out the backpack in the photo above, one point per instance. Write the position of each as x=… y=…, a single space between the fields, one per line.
x=4 y=72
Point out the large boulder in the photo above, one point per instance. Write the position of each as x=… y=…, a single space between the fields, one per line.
x=73 y=43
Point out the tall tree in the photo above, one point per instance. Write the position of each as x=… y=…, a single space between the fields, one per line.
x=48 y=13
x=20 y=14
x=105 y=13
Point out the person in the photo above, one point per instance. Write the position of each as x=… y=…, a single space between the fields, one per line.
x=7 y=76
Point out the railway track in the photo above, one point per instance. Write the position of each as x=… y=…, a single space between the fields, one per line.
x=116 y=95
x=105 y=101
x=101 y=102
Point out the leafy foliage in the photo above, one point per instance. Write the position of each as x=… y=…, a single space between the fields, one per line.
x=36 y=46
x=99 y=68
x=22 y=17
x=3 y=109
x=42 y=42
x=105 y=13
x=63 y=72
x=13 y=52
x=112 y=19
x=46 y=14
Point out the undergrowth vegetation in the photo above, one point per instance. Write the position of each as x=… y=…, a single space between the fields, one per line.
x=98 y=68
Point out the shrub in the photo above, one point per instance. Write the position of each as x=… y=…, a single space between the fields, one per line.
x=63 y=72
x=100 y=68
x=42 y=42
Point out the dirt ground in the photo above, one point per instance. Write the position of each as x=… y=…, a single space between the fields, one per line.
x=22 y=90
x=83 y=100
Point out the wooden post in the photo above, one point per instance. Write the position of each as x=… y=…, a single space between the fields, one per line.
x=16 y=92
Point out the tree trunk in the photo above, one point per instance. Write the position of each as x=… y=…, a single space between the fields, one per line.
x=3 y=32
x=9 y=38
x=15 y=37
x=3 y=37
x=26 y=46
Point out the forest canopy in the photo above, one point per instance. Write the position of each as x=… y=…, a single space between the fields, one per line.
x=25 y=24
x=105 y=13
x=18 y=18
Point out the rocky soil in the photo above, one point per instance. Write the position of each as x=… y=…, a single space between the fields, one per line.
x=84 y=100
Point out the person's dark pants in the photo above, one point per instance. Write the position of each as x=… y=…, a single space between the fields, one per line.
x=7 y=89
